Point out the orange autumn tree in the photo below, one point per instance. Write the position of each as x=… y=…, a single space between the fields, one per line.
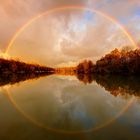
x=121 y=62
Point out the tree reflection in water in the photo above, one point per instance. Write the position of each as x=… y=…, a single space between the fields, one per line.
x=19 y=77
x=113 y=83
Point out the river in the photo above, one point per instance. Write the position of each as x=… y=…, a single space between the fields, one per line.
x=58 y=107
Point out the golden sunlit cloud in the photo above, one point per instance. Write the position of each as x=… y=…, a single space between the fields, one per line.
x=4 y=55
x=68 y=34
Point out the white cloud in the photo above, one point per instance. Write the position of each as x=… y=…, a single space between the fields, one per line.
x=57 y=40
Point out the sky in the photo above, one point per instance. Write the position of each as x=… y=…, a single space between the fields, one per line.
x=66 y=37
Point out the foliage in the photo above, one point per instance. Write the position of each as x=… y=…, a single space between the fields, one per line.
x=12 y=66
x=122 y=62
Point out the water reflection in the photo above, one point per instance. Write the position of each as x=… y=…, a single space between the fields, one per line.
x=62 y=104
x=115 y=84
x=11 y=79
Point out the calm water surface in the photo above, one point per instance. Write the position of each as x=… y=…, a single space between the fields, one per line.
x=62 y=107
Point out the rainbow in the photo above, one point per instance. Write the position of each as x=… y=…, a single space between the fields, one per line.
x=76 y=132
x=79 y=7
x=33 y=19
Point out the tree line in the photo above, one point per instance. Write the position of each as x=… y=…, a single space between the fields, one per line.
x=116 y=62
x=13 y=66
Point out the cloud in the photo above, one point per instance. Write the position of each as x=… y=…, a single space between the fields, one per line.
x=125 y=11
x=97 y=39
x=66 y=37
x=60 y=39
x=15 y=13
x=118 y=9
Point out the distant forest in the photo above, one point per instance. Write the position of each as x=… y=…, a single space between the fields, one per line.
x=122 y=62
x=17 y=67
x=116 y=62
